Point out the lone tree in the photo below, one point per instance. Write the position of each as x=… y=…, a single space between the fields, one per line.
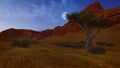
x=89 y=23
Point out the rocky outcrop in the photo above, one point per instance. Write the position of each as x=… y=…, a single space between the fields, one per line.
x=113 y=14
x=43 y=34
x=93 y=8
x=69 y=27
x=20 y=33
x=17 y=33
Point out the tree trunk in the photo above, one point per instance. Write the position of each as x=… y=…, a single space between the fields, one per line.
x=89 y=40
x=90 y=37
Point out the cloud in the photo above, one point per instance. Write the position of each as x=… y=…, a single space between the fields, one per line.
x=31 y=14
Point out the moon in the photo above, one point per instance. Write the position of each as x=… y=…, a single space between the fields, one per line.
x=64 y=15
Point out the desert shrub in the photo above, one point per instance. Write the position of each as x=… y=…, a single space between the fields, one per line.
x=22 y=42
x=109 y=45
x=79 y=45
x=105 y=44
x=101 y=43
x=68 y=42
x=61 y=44
x=96 y=50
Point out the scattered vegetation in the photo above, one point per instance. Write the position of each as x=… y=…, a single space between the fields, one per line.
x=105 y=44
x=79 y=45
x=52 y=56
x=96 y=50
x=101 y=43
x=22 y=42
x=109 y=45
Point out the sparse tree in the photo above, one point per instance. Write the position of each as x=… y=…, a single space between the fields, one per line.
x=89 y=23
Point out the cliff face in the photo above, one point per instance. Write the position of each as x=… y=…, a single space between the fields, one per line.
x=113 y=14
x=95 y=8
x=69 y=27
x=18 y=33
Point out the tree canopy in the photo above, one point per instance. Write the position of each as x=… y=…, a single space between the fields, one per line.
x=88 y=19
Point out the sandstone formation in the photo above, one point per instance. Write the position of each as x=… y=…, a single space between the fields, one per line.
x=93 y=8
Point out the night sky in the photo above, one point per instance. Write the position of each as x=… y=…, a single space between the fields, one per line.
x=42 y=14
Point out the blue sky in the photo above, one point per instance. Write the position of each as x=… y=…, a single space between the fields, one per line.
x=42 y=14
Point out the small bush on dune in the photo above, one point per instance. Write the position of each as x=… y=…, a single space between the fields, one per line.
x=101 y=43
x=109 y=45
x=80 y=45
x=96 y=50
x=22 y=42
x=105 y=44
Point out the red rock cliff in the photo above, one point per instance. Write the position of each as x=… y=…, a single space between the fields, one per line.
x=93 y=8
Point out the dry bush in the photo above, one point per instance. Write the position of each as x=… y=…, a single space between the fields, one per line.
x=105 y=44
x=102 y=43
x=109 y=45
x=80 y=45
x=22 y=42
x=96 y=50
